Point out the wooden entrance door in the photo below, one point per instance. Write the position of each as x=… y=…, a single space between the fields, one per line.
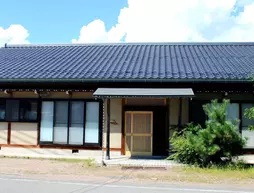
x=138 y=133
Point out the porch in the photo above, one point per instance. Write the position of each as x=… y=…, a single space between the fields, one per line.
x=147 y=116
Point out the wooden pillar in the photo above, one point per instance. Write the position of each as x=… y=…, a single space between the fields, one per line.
x=240 y=116
x=180 y=113
x=168 y=122
x=108 y=131
x=9 y=133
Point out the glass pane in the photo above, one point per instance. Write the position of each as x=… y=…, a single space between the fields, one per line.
x=245 y=121
x=2 y=110
x=76 y=130
x=61 y=122
x=92 y=122
x=47 y=113
x=198 y=115
x=12 y=110
x=28 y=110
x=233 y=112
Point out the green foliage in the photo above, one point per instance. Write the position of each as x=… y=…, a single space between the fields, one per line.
x=249 y=113
x=216 y=144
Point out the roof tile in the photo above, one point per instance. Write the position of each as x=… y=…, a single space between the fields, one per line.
x=128 y=61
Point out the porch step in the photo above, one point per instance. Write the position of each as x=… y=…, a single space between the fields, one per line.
x=142 y=163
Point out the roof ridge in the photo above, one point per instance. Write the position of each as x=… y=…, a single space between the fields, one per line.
x=133 y=43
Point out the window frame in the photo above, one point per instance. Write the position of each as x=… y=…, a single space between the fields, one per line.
x=20 y=100
x=239 y=102
x=99 y=144
x=242 y=115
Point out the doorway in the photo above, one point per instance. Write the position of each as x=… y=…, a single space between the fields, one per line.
x=138 y=133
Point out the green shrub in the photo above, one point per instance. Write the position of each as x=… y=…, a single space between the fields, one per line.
x=249 y=113
x=215 y=144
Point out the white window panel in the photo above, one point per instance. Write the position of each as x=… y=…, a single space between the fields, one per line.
x=61 y=122
x=76 y=130
x=92 y=122
x=47 y=114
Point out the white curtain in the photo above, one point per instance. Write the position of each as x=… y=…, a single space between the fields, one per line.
x=61 y=122
x=92 y=122
x=76 y=130
x=47 y=113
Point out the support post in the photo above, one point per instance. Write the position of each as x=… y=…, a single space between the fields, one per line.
x=108 y=131
x=180 y=113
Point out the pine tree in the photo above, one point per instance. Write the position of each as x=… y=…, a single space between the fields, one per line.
x=217 y=143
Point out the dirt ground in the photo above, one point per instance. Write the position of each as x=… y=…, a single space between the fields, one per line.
x=85 y=171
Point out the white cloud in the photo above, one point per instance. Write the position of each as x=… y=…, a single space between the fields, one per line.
x=173 y=21
x=15 y=34
x=96 y=32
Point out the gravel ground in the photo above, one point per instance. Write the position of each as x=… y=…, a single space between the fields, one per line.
x=79 y=170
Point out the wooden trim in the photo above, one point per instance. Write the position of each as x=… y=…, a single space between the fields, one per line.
x=52 y=146
x=9 y=133
x=100 y=122
x=240 y=117
x=248 y=151
x=139 y=134
x=165 y=101
x=123 y=130
x=114 y=149
x=84 y=123
x=19 y=145
x=68 y=120
x=180 y=113
x=140 y=112
x=39 y=122
x=168 y=122
x=153 y=98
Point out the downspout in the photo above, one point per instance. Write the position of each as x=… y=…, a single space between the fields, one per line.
x=108 y=131
x=103 y=129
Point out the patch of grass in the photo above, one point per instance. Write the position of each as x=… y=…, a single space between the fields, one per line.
x=234 y=173
x=85 y=162
x=229 y=172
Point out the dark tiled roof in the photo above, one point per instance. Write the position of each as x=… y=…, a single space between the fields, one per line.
x=149 y=61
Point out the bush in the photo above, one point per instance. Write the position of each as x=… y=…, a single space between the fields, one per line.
x=249 y=113
x=216 y=144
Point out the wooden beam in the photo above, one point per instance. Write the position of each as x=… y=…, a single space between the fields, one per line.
x=123 y=129
x=39 y=106
x=108 y=131
x=9 y=133
x=240 y=116
x=52 y=146
x=168 y=122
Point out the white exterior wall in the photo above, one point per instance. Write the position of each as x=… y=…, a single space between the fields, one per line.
x=115 y=129
x=3 y=132
x=24 y=133
x=250 y=136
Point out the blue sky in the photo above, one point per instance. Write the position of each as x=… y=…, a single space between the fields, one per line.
x=92 y=21
x=58 y=21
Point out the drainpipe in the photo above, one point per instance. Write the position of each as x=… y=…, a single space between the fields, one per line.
x=108 y=131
